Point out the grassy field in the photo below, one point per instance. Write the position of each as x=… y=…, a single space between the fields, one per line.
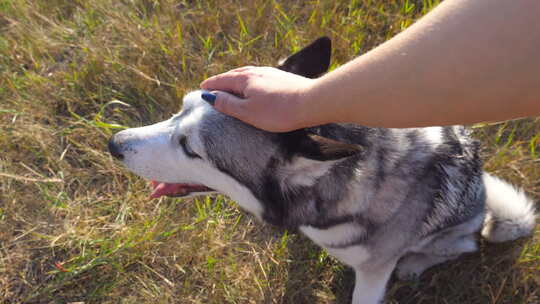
x=76 y=227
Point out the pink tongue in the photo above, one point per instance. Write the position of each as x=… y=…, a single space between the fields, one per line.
x=161 y=189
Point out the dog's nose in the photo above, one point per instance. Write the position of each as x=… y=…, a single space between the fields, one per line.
x=115 y=150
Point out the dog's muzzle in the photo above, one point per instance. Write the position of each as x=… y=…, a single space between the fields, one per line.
x=115 y=148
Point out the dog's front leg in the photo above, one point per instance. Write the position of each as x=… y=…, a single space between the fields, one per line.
x=371 y=283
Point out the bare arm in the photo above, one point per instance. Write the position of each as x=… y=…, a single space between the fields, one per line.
x=466 y=61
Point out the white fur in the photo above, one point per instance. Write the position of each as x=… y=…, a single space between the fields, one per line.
x=510 y=213
x=334 y=235
x=352 y=256
x=240 y=194
x=303 y=171
x=433 y=134
x=371 y=284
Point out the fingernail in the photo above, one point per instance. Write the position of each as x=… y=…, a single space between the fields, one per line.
x=208 y=97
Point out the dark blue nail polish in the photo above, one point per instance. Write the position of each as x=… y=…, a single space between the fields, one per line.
x=209 y=97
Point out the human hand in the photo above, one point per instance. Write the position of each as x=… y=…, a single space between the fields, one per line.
x=270 y=99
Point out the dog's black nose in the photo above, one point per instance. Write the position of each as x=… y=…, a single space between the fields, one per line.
x=114 y=149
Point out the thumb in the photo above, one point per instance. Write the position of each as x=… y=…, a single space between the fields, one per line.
x=230 y=104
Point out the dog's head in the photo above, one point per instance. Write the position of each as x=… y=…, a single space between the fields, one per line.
x=201 y=150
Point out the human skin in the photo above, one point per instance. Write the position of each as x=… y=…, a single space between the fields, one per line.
x=466 y=61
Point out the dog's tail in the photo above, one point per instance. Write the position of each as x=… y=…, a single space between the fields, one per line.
x=510 y=213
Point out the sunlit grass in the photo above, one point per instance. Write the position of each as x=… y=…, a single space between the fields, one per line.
x=77 y=227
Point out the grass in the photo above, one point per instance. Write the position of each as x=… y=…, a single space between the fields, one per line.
x=76 y=227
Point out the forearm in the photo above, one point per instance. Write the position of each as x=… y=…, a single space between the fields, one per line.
x=466 y=61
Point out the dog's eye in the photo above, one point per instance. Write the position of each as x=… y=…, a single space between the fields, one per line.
x=187 y=149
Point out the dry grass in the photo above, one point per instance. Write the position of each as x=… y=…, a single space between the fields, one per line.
x=77 y=227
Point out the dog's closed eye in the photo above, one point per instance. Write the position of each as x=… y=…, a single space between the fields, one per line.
x=187 y=150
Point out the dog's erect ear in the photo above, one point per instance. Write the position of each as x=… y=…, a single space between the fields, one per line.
x=311 y=61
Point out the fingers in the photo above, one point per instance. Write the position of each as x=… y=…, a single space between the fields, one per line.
x=230 y=105
x=234 y=81
x=243 y=110
x=230 y=82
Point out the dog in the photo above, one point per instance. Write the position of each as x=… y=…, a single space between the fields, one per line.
x=377 y=199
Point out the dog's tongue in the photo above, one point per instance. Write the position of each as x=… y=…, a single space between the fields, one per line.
x=161 y=189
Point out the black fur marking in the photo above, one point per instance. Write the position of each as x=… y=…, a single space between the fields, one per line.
x=450 y=138
x=413 y=136
x=183 y=143
x=347 y=133
x=292 y=205
x=382 y=153
x=466 y=164
x=314 y=146
x=299 y=206
x=325 y=222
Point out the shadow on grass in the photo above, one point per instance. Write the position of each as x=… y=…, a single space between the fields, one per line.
x=494 y=274
x=314 y=277
x=497 y=273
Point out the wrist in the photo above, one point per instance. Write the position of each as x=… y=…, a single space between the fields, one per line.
x=307 y=107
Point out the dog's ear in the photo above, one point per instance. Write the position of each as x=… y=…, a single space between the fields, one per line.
x=313 y=156
x=311 y=61
x=325 y=149
x=313 y=146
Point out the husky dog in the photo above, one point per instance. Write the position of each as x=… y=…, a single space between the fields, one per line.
x=377 y=199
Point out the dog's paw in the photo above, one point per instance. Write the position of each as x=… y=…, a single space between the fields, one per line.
x=410 y=268
x=406 y=274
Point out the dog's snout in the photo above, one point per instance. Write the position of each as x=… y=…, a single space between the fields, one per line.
x=115 y=150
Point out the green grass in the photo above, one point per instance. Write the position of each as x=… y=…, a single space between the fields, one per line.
x=77 y=227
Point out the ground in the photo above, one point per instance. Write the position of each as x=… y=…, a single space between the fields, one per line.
x=76 y=227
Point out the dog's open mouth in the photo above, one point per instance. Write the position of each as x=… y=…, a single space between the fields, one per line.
x=175 y=190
